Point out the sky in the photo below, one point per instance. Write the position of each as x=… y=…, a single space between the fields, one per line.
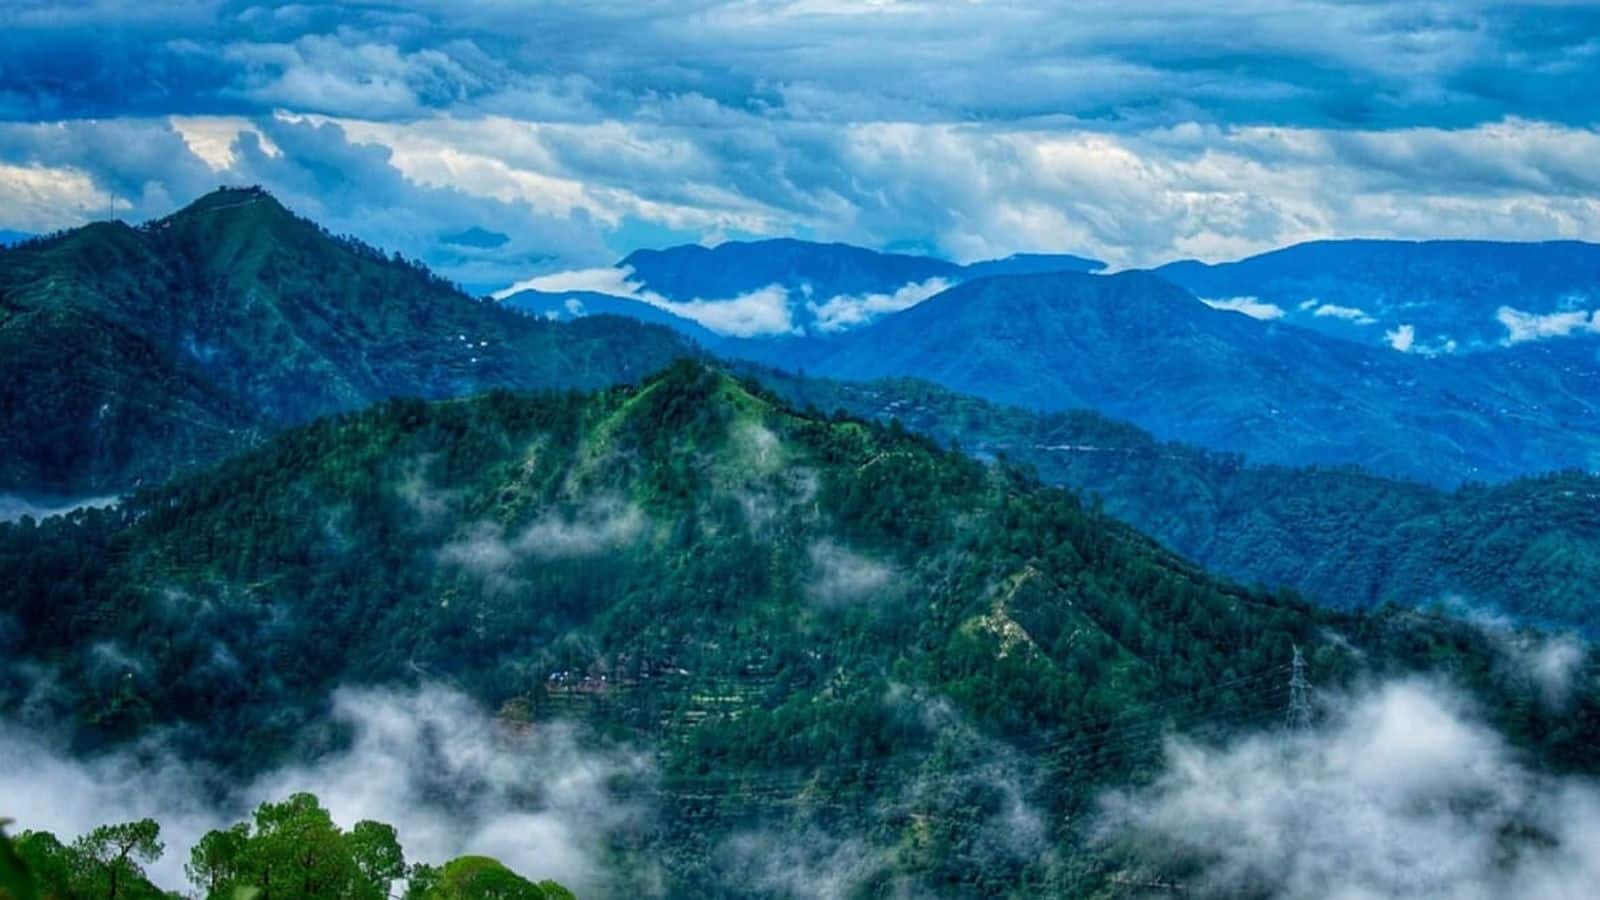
x=498 y=140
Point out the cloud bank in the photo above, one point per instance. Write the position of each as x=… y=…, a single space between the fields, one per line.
x=1133 y=132
x=450 y=778
x=1401 y=793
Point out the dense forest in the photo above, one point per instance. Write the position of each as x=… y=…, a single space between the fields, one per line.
x=813 y=623
x=1528 y=549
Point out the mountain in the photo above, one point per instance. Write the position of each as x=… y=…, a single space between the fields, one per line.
x=1030 y=264
x=821 y=636
x=1528 y=549
x=819 y=271
x=131 y=353
x=1135 y=347
x=820 y=288
x=1461 y=295
x=568 y=306
x=9 y=237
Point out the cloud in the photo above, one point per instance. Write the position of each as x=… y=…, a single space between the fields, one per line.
x=1347 y=313
x=1250 y=306
x=449 y=777
x=485 y=550
x=761 y=312
x=845 y=311
x=1401 y=338
x=1401 y=793
x=839 y=575
x=1550 y=663
x=1132 y=132
x=1522 y=327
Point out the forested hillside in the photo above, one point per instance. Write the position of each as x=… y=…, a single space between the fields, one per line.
x=1527 y=549
x=128 y=354
x=811 y=625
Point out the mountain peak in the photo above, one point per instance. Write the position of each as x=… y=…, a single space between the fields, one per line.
x=233 y=203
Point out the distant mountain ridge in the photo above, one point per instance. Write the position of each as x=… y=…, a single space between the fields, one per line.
x=128 y=354
x=1528 y=549
x=1135 y=347
x=1430 y=296
x=822 y=288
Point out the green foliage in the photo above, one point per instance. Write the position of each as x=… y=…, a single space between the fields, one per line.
x=478 y=878
x=128 y=354
x=289 y=849
x=105 y=864
x=805 y=617
x=16 y=878
x=293 y=849
x=1529 y=549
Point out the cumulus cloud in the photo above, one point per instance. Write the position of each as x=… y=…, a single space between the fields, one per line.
x=1253 y=307
x=1522 y=327
x=1403 y=792
x=1135 y=132
x=449 y=777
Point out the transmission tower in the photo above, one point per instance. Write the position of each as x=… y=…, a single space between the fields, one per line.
x=1298 y=717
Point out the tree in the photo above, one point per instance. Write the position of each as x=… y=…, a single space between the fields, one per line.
x=478 y=878
x=110 y=857
x=293 y=851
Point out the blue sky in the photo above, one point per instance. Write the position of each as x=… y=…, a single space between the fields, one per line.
x=1135 y=131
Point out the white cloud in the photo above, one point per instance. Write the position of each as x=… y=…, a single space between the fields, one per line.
x=1403 y=793
x=1250 y=306
x=761 y=312
x=449 y=777
x=1348 y=313
x=845 y=311
x=1401 y=338
x=485 y=550
x=211 y=138
x=1524 y=326
x=44 y=198
x=840 y=575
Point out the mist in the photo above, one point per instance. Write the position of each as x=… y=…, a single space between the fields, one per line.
x=451 y=778
x=1402 y=791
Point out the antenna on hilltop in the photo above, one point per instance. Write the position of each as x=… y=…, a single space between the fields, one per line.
x=1298 y=717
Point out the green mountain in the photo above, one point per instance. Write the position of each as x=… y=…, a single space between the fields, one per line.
x=1528 y=549
x=127 y=354
x=811 y=625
